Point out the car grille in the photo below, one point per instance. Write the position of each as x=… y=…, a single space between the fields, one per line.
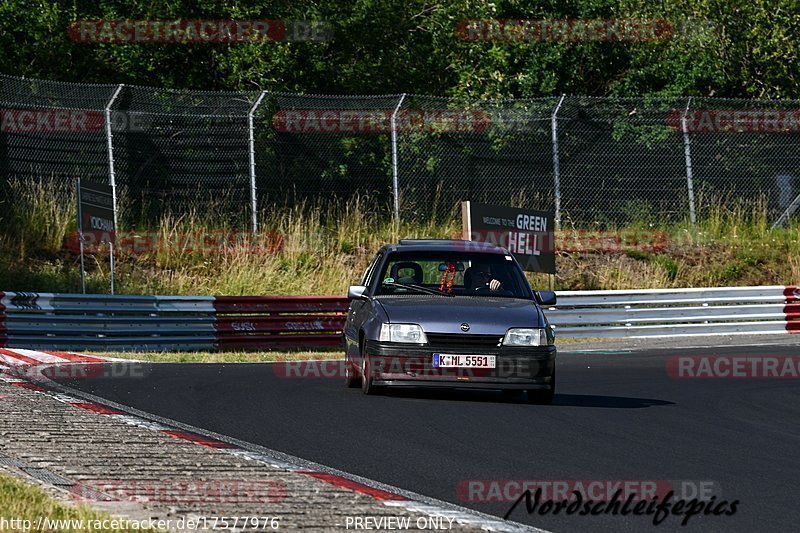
x=463 y=341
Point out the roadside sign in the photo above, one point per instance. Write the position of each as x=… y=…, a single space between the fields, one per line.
x=96 y=221
x=97 y=212
x=527 y=234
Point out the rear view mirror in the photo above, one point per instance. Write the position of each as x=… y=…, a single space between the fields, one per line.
x=443 y=267
x=546 y=297
x=356 y=291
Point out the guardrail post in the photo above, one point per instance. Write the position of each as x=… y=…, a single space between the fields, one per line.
x=556 y=163
x=395 y=177
x=251 y=128
x=687 y=152
x=112 y=177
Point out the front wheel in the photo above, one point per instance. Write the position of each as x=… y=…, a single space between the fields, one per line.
x=543 y=397
x=367 y=385
x=350 y=375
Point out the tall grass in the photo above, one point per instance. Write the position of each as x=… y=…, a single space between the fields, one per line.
x=37 y=216
x=320 y=248
x=28 y=502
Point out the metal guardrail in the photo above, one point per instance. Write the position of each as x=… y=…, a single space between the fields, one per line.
x=97 y=321
x=677 y=312
x=94 y=321
x=267 y=322
x=76 y=321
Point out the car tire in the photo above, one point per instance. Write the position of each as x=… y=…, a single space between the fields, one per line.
x=367 y=385
x=351 y=377
x=543 y=397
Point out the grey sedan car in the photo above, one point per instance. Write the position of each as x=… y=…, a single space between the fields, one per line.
x=448 y=313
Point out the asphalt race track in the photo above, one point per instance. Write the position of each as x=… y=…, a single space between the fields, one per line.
x=617 y=416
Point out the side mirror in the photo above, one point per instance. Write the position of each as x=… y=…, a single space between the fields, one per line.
x=546 y=297
x=356 y=291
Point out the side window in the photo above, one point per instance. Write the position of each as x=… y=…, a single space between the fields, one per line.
x=368 y=274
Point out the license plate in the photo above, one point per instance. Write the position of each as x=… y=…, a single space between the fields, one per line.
x=444 y=360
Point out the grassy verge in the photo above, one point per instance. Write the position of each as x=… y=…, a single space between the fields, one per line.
x=257 y=356
x=321 y=249
x=20 y=500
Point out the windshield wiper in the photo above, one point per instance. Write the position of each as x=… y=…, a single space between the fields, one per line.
x=421 y=288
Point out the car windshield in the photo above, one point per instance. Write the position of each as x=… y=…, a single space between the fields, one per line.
x=453 y=274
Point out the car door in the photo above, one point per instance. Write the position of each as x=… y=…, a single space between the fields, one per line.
x=359 y=310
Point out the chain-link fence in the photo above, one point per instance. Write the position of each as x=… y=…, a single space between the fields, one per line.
x=595 y=161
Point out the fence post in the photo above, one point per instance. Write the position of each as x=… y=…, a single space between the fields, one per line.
x=395 y=177
x=687 y=152
x=112 y=177
x=556 y=163
x=251 y=128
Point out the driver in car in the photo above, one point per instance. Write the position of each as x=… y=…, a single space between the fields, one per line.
x=480 y=276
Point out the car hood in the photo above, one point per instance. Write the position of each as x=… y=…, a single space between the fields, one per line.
x=442 y=314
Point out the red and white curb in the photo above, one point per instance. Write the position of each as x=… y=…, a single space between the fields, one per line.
x=389 y=496
x=18 y=357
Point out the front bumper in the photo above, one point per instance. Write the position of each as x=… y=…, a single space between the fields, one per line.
x=394 y=364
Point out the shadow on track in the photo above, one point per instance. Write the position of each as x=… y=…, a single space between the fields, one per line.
x=610 y=402
x=561 y=400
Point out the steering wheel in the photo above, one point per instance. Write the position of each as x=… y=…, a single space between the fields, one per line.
x=499 y=292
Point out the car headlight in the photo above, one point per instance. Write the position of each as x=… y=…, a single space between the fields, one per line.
x=526 y=337
x=411 y=333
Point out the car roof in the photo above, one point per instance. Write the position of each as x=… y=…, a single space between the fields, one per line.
x=444 y=245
